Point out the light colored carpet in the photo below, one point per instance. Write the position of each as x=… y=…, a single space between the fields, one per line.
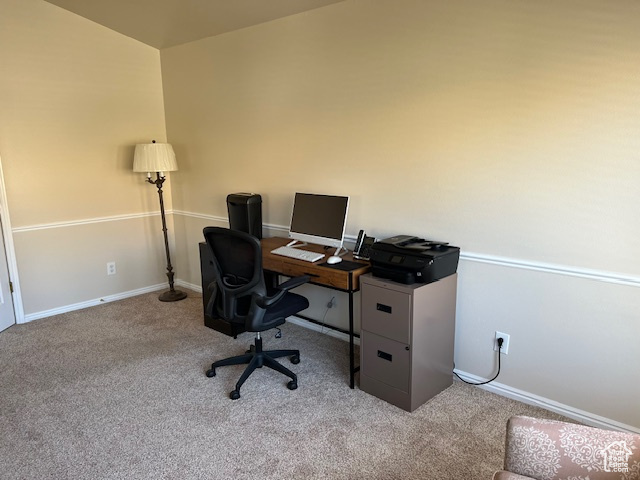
x=119 y=391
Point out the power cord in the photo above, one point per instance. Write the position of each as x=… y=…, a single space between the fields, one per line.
x=330 y=304
x=500 y=341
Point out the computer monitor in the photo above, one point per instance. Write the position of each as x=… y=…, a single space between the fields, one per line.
x=319 y=219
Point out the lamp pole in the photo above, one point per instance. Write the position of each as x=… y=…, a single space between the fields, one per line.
x=172 y=295
x=159 y=158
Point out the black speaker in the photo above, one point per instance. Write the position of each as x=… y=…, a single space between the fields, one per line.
x=245 y=213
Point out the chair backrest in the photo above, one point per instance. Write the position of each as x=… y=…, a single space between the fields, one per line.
x=237 y=262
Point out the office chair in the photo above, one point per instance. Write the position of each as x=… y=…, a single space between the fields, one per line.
x=242 y=297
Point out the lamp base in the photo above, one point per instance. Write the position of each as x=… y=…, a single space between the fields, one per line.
x=172 y=296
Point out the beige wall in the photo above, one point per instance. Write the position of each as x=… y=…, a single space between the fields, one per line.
x=75 y=98
x=509 y=128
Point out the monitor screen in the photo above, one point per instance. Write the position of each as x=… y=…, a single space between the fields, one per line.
x=319 y=219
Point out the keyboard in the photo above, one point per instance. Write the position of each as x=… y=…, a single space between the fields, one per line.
x=305 y=255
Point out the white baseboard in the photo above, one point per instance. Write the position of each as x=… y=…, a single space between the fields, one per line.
x=190 y=286
x=106 y=299
x=582 y=416
x=325 y=330
x=92 y=303
x=531 y=399
x=498 y=388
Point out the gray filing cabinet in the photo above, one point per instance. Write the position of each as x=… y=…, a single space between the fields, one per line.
x=406 y=339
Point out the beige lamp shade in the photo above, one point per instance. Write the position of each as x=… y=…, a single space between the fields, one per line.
x=154 y=157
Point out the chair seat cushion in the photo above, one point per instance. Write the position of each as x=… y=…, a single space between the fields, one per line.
x=290 y=304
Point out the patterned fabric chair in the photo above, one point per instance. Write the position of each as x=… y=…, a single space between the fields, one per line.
x=552 y=450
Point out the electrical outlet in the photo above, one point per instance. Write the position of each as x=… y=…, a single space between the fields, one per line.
x=505 y=344
x=111 y=268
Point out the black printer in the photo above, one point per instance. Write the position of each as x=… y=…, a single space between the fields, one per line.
x=407 y=259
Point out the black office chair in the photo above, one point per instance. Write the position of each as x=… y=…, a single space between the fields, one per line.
x=242 y=297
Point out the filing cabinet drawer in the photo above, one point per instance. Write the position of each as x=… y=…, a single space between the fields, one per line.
x=385 y=360
x=386 y=312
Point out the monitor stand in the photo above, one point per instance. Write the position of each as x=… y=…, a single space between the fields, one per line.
x=337 y=256
x=296 y=244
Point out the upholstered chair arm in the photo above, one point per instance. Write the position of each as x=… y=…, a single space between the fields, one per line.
x=502 y=475
x=264 y=302
x=553 y=450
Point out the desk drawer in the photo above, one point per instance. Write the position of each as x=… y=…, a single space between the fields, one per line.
x=319 y=275
x=385 y=360
x=386 y=312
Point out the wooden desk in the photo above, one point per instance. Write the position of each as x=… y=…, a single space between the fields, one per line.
x=329 y=276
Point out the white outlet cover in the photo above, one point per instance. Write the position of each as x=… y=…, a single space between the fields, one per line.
x=505 y=344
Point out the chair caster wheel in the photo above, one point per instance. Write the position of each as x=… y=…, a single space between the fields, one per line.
x=292 y=385
x=211 y=373
x=234 y=395
x=295 y=359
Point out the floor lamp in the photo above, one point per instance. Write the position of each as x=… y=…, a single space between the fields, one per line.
x=159 y=158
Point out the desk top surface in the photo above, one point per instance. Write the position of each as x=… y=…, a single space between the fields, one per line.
x=334 y=276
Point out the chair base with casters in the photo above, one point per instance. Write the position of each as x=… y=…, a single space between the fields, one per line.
x=244 y=299
x=255 y=357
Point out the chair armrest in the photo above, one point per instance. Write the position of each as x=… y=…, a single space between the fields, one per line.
x=548 y=449
x=293 y=283
x=283 y=288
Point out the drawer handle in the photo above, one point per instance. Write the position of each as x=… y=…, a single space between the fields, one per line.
x=383 y=308
x=385 y=355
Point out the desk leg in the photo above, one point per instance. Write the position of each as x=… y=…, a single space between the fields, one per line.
x=351 y=346
x=352 y=367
